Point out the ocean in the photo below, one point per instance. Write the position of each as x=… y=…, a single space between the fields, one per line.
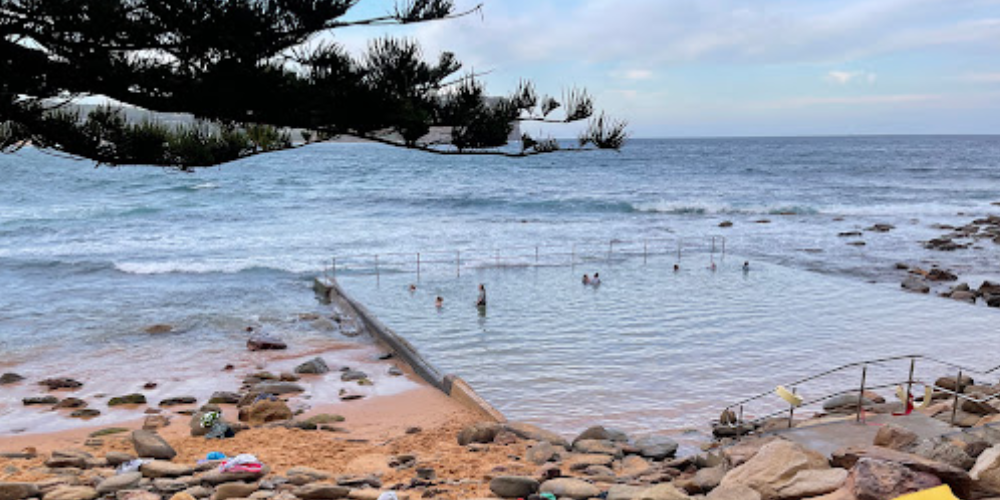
x=89 y=258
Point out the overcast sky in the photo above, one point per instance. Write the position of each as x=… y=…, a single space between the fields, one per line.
x=741 y=67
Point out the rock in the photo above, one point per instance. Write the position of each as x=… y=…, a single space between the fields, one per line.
x=774 y=466
x=187 y=495
x=395 y=372
x=941 y=275
x=704 y=480
x=600 y=432
x=61 y=383
x=596 y=446
x=733 y=492
x=265 y=411
x=986 y=471
x=85 y=413
x=10 y=378
x=969 y=297
x=128 y=399
x=216 y=476
x=351 y=375
x=307 y=472
x=265 y=343
x=480 y=432
x=570 y=488
x=224 y=398
x=40 y=400
x=634 y=465
x=325 y=418
x=726 y=223
x=164 y=485
x=528 y=431
x=944 y=451
x=154 y=422
x=159 y=329
x=71 y=403
x=149 y=444
x=878 y=479
x=849 y=234
x=581 y=462
x=846 y=402
x=315 y=366
x=321 y=491
x=71 y=493
x=948 y=383
x=17 y=491
x=813 y=483
x=539 y=453
x=895 y=437
x=234 y=490
x=857 y=243
x=124 y=481
x=277 y=388
x=624 y=492
x=136 y=495
x=656 y=447
x=663 y=491
x=64 y=460
x=978 y=408
x=988 y=288
x=957 y=478
x=163 y=468
x=179 y=400
x=513 y=486
x=881 y=228
x=116 y=458
x=915 y=284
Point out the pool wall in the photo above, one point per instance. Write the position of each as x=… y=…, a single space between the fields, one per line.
x=452 y=385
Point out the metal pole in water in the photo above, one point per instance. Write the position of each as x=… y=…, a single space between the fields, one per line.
x=713 y=244
x=611 y=247
x=909 y=381
x=334 y=267
x=678 y=249
x=954 y=405
x=644 y=248
x=739 y=424
x=573 y=256
x=376 y=267
x=536 y=254
x=458 y=264
x=723 y=246
x=418 y=266
x=861 y=393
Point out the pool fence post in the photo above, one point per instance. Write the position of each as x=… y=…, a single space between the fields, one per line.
x=458 y=264
x=644 y=251
x=378 y=277
x=335 y=267
x=954 y=405
x=611 y=247
x=861 y=392
x=418 y=266
x=536 y=254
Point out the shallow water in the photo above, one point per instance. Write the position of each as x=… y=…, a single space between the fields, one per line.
x=90 y=258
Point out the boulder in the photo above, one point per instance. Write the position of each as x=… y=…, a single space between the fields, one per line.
x=741 y=452
x=596 y=446
x=224 y=398
x=40 y=400
x=895 y=437
x=71 y=403
x=704 y=480
x=265 y=411
x=234 y=490
x=634 y=465
x=149 y=444
x=61 y=383
x=774 y=467
x=10 y=378
x=116 y=458
x=215 y=476
x=625 y=492
x=17 y=491
x=941 y=275
x=513 y=486
x=315 y=366
x=600 y=432
x=528 y=431
x=277 y=388
x=128 y=399
x=813 y=483
x=265 y=343
x=564 y=487
x=71 y=493
x=124 y=481
x=579 y=462
x=988 y=288
x=986 y=471
x=880 y=480
x=944 y=451
x=977 y=407
x=85 y=413
x=480 y=432
x=663 y=491
x=539 y=453
x=656 y=447
x=165 y=485
x=969 y=297
x=321 y=491
x=915 y=284
x=733 y=492
x=957 y=478
x=163 y=468
x=948 y=383
x=179 y=400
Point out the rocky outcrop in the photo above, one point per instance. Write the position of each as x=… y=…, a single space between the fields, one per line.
x=774 y=468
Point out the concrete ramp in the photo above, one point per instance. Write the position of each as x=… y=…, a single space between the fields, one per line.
x=829 y=436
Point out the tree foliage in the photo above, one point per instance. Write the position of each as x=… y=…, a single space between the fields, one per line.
x=249 y=71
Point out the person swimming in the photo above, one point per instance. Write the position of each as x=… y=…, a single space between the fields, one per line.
x=413 y=288
x=439 y=302
x=677 y=268
x=746 y=266
x=586 y=279
x=712 y=266
x=481 y=300
x=596 y=280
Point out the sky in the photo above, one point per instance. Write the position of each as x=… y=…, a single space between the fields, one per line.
x=708 y=68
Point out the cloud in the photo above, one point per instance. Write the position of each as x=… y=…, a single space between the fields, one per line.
x=638 y=74
x=980 y=78
x=846 y=77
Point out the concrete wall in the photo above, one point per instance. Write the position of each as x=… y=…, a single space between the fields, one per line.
x=330 y=291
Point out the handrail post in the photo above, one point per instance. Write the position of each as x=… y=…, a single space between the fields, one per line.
x=954 y=405
x=739 y=424
x=418 y=266
x=909 y=382
x=458 y=263
x=861 y=393
x=335 y=267
x=791 y=411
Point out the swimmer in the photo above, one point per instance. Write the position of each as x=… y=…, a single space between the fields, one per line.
x=596 y=280
x=413 y=288
x=586 y=279
x=439 y=302
x=677 y=268
x=481 y=301
x=712 y=267
x=746 y=266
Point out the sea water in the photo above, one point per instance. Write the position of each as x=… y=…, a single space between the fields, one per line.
x=90 y=257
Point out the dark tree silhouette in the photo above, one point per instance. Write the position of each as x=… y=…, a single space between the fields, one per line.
x=250 y=72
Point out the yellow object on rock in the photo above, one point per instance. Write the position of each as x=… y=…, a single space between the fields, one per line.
x=942 y=492
x=792 y=398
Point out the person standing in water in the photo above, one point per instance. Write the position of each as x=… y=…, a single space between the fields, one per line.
x=586 y=279
x=746 y=266
x=596 y=280
x=481 y=301
x=439 y=302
